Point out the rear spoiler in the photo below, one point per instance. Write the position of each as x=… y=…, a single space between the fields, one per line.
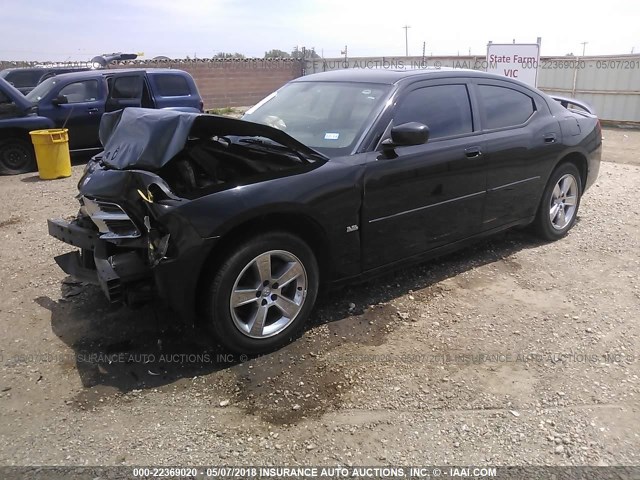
x=569 y=103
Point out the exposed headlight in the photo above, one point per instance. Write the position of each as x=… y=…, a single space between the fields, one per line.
x=110 y=218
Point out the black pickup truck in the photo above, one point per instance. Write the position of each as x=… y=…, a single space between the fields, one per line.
x=78 y=100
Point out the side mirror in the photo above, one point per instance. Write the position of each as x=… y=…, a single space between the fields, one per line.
x=60 y=100
x=412 y=133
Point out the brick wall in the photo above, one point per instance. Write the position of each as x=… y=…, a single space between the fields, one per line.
x=233 y=82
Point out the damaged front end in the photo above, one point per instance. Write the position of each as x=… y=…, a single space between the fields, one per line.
x=124 y=231
x=143 y=230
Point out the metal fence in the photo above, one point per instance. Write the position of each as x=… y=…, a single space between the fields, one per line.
x=611 y=84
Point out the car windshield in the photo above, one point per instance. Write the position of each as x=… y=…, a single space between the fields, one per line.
x=42 y=90
x=329 y=117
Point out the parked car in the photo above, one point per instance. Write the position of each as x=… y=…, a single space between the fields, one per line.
x=18 y=117
x=335 y=176
x=25 y=79
x=78 y=100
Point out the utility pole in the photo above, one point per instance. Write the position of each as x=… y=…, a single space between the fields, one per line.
x=345 y=53
x=406 y=40
x=584 y=46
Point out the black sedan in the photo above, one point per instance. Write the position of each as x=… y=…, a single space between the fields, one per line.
x=335 y=176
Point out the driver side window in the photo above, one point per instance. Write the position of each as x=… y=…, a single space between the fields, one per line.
x=445 y=109
x=79 y=92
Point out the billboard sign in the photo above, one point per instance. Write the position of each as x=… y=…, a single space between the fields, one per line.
x=519 y=61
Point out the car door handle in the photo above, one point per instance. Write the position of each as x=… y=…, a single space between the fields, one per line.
x=473 y=152
x=550 y=138
x=92 y=110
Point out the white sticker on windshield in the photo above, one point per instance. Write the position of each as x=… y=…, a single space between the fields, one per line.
x=331 y=136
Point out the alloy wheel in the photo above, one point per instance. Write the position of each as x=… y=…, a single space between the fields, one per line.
x=268 y=294
x=563 y=202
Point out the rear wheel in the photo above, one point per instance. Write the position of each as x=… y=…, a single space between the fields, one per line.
x=16 y=156
x=560 y=201
x=261 y=296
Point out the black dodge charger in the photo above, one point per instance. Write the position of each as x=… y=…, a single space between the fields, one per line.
x=333 y=177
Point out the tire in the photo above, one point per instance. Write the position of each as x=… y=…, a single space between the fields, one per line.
x=16 y=156
x=255 y=271
x=558 y=208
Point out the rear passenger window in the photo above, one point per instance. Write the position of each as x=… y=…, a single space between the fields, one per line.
x=445 y=109
x=172 y=86
x=125 y=87
x=4 y=99
x=504 y=107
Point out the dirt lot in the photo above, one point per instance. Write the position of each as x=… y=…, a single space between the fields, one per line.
x=510 y=352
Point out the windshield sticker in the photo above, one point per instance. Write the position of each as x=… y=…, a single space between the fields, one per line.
x=331 y=136
x=366 y=92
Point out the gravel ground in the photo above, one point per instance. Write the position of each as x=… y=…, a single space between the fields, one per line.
x=511 y=352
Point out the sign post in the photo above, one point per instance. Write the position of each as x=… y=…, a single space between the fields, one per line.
x=514 y=60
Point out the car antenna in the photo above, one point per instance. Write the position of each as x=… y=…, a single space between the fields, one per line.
x=68 y=115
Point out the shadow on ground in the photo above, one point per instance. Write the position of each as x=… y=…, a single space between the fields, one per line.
x=127 y=350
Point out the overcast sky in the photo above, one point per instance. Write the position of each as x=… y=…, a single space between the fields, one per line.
x=79 y=29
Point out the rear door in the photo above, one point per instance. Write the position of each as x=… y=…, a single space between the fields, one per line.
x=523 y=139
x=431 y=194
x=125 y=90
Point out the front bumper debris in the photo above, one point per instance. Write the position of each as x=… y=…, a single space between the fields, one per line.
x=101 y=263
x=73 y=234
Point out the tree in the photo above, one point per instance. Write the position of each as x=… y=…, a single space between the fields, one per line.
x=304 y=52
x=311 y=53
x=228 y=55
x=275 y=53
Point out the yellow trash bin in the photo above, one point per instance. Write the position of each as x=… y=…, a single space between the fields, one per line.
x=52 y=152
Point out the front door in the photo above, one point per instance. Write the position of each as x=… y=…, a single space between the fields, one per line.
x=428 y=195
x=81 y=114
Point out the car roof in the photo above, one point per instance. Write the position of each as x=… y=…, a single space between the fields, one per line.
x=44 y=68
x=20 y=69
x=391 y=76
x=87 y=74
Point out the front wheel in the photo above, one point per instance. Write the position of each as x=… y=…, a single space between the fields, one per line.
x=262 y=294
x=560 y=201
x=16 y=156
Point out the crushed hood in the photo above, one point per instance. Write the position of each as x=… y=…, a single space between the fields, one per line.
x=145 y=139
